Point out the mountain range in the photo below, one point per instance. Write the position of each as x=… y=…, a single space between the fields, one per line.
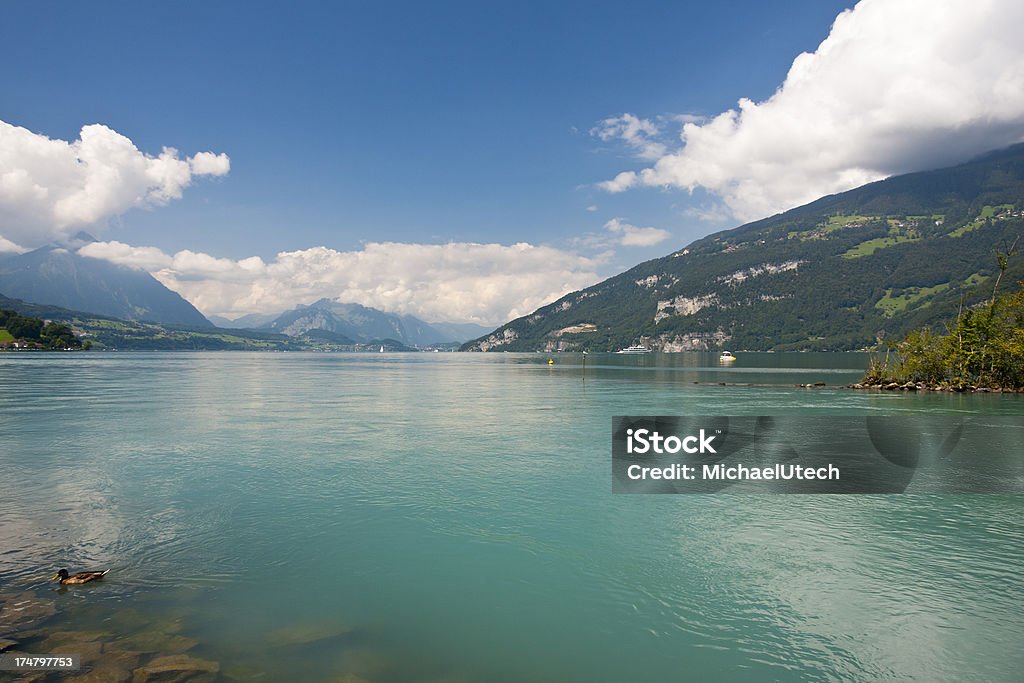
x=844 y=272
x=358 y=324
x=58 y=275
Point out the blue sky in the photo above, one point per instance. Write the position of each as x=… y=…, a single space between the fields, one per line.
x=349 y=123
x=403 y=121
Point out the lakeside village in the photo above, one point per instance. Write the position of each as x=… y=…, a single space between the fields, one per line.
x=24 y=333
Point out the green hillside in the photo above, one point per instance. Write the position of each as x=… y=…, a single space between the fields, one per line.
x=35 y=333
x=843 y=272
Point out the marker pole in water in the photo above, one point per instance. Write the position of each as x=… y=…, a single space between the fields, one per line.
x=584 y=366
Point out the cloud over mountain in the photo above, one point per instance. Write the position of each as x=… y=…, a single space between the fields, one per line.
x=466 y=282
x=897 y=86
x=49 y=188
x=7 y=246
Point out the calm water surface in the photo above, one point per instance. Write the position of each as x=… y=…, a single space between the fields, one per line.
x=428 y=517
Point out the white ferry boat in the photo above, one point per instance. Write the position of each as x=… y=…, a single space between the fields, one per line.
x=635 y=349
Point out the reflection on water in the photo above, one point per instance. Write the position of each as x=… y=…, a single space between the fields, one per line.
x=449 y=517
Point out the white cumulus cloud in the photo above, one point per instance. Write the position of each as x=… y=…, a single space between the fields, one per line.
x=638 y=133
x=208 y=163
x=897 y=86
x=50 y=189
x=631 y=236
x=465 y=282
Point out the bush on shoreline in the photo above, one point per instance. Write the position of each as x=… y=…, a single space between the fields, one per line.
x=984 y=347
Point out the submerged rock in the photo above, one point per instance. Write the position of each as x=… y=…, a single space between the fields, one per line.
x=27 y=677
x=59 y=637
x=127 y=620
x=105 y=673
x=177 y=669
x=125 y=658
x=303 y=634
x=156 y=641
x=7 y=643
x=90 y=652
x=23 y=611
x=120 y=659
x=242 y=672
x=168 y=625
x=16 y=653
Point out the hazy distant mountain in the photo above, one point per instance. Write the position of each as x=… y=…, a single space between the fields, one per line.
x=459 y=332
x=363 y=324
x=842 y=272
x=58 y=276
x=252 y=321
x=219 y=321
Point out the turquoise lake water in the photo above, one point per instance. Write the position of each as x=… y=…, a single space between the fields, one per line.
x=449 y=517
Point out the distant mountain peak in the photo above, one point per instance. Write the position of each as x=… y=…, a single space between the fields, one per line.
x=74 y=242
x=57 y=275
x=363 y=323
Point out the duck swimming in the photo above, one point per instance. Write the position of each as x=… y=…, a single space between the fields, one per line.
x=81 y=577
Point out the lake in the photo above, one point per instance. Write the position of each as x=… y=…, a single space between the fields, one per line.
x=449 y=517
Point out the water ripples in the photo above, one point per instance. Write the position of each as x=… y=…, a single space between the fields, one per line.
x=466 y=501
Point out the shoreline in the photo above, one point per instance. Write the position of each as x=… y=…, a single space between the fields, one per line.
x=923 y=386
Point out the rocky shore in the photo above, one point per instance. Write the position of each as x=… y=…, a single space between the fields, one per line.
x=881 y=385
x=155 y=653
x=133 y=647
x=907 y=386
